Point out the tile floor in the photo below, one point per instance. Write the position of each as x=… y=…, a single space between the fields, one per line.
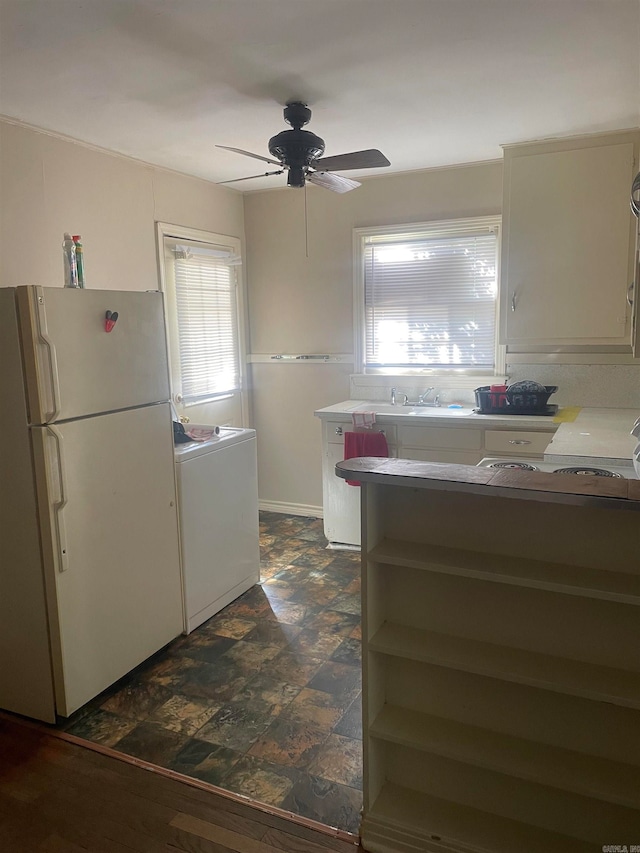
x=264 y=699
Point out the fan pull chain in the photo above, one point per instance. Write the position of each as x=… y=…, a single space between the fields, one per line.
x=306 y=228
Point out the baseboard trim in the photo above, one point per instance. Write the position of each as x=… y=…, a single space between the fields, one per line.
x=291 y=509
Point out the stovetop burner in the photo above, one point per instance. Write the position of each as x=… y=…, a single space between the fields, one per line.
x=592 y=472
x=584 y=466
x=514 y=465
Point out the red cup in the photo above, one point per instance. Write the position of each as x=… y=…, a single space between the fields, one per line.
x=498 y=396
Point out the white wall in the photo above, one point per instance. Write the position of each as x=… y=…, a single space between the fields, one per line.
x=300 y=304
x=50 y=185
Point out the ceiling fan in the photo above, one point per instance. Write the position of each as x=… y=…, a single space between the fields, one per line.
x=299 y=153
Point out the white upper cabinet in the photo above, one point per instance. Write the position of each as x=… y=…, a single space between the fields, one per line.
x=569 y=243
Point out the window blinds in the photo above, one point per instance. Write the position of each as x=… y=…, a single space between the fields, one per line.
x=430 y=298
x=206 y=307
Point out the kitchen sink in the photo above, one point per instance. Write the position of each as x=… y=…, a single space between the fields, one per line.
x=435 y=412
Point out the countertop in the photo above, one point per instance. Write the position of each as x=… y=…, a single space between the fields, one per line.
x=524 y=485
x=600 y=434
x=442 y=416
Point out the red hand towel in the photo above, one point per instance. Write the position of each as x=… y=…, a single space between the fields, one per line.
x=364 y=444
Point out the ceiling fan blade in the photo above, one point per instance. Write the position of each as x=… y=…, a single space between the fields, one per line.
x=369 y=159
x=329 y=181
x=249 y=154
x=251 y=177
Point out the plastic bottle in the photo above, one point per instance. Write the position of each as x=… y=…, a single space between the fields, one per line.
x=70 y=265
x=77 y=241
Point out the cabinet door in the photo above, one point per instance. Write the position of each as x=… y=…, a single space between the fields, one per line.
x=436 y=438
x=341 y=501
x=568 y=243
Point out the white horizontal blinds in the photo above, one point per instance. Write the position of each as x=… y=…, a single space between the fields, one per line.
x=206 y=305
x=430 y=298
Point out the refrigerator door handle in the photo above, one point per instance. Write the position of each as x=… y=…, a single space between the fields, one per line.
x=43 y=334
x=60 y=502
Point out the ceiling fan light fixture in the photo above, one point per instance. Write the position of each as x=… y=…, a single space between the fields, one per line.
x=296 y=176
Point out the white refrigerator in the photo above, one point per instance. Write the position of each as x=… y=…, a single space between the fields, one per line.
x=90 y=581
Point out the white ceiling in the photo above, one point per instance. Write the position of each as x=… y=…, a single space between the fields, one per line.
x=428 y=82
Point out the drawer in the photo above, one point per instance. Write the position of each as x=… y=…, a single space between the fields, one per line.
x=456 y=438
x=337 y=429
x=455 y=457
x=516 y=442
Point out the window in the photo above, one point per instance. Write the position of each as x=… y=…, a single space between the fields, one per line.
x=207 y=321
x=201 y=282
x=427 y=296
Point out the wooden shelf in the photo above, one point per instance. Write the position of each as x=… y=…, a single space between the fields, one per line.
x=502 y=690
x=562 y=675
x=547 y=765
x=536 y=574
x=403 y=819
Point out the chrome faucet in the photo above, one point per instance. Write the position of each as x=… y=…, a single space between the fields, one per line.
x=393 y=396
x=422 y=399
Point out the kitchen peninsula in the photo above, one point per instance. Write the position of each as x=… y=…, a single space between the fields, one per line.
x=502 y=663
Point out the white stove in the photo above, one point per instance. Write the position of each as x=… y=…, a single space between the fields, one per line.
x=626 y=472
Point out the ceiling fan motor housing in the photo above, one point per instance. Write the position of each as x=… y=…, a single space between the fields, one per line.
x=296 y=148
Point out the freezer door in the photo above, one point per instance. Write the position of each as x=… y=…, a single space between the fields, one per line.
x=107 y=502
x=74 y=367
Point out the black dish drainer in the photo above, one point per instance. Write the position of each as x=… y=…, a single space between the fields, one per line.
x=522 y=403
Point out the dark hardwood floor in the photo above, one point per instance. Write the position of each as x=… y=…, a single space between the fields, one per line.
x=57 y=797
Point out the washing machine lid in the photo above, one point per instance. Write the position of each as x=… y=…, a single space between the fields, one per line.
x=227 y=437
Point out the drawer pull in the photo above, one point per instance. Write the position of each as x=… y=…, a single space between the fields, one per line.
x=519 y=441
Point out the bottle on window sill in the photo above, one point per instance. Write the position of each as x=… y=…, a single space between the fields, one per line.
x=77 y=242
x=70 y=263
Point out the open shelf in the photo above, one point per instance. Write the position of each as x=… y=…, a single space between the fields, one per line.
x=562 y=675
x=405 y=820
x=502 y=689
x=572 y=771
x=518 y=571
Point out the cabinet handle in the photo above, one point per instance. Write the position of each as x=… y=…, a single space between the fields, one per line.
x=630 y=290
x=339 y=431
x=519 y=441
x=513 y=301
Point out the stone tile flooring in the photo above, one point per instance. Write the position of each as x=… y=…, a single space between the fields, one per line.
x=264 y=699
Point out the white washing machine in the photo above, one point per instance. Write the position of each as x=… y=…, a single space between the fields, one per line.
x=219 y=528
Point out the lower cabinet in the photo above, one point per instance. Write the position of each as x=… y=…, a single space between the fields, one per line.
x=460 y=445
x=341 y=501
x=501 y=695
x=508 y=442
